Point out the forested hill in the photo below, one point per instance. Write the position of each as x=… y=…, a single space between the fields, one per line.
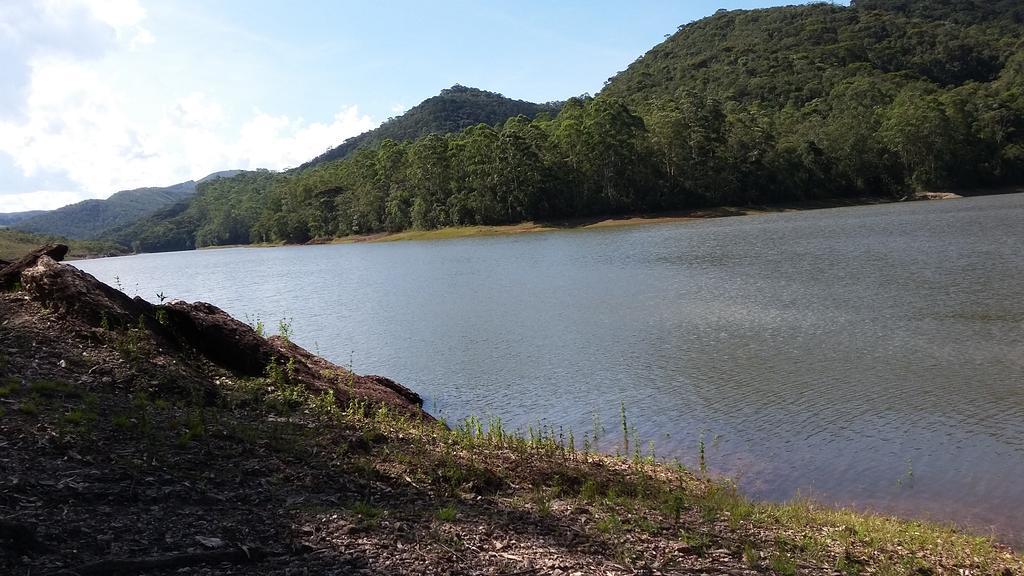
x=452 y=110
x=957 y=11
x=11 y=218
x=794 y=55
x=881 y=98
x=89 y=219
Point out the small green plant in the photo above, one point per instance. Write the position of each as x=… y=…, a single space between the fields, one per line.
x=610 y=524
x=703 y=459
x=325 y=406
x=751 y=556
x=625 y=427
x=598 y=427
x=367 y=511
x=29 y=408
x=783 y=564
x=54 y=389
x=542 y=502
x=673 y=505
x=698 y=542
x=194 y=427
x=645 y=525
x=589 y=491
x=284 y=328
x=257 y=325
x=79 y=416
x=446 y=513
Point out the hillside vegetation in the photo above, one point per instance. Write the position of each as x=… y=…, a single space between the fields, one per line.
x=10 y=218
x=15 y=243
x=90 y=219
x=454 y=109
x=883 y=98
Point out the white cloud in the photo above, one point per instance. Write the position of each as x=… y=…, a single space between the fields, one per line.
x=278 y=142
x=197 y=110
x=77 y=125
x=39 y=200
x=121 y=15
x=79 y=29
x=76 y=122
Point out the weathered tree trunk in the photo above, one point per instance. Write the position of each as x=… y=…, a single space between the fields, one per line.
x=69 y=290
x=10 y=273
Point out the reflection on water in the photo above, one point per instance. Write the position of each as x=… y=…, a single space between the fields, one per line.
x=870 y=355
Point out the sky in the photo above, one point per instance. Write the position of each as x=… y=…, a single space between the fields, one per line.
x=98 y=96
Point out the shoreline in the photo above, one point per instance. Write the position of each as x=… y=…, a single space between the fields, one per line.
x=600 y=222
x=624 y=220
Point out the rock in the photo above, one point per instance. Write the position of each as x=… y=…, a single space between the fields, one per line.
x=221 y=338
x=10 y=272
x=68 y=290
x=397 y=388
x=321 y=375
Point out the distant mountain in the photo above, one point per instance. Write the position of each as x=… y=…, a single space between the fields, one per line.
x=12 y=218
x=168 y=229
x=90 y=218
x=453 y=110
x=219 y=175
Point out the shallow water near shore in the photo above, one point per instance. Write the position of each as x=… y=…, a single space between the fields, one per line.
x=870 y=356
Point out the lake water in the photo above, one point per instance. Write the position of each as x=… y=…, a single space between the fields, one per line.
x=870 y=356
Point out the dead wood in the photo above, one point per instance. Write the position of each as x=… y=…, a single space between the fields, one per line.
x=11 y=273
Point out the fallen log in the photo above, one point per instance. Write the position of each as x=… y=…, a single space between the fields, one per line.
x=11 y=273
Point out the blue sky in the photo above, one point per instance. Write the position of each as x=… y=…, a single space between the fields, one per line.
x=103 y=95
